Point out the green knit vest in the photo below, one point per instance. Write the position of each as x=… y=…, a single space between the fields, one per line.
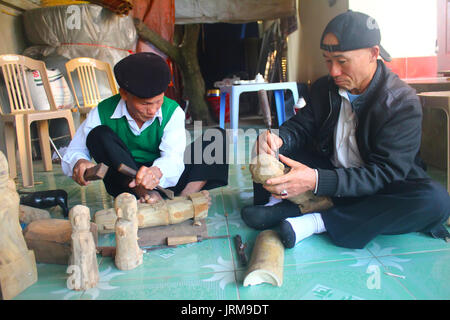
x=144 y=147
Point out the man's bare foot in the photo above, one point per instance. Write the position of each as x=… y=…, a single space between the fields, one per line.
x=151 y=197
x=196 y=186
x=146 y=196
x=192 y=187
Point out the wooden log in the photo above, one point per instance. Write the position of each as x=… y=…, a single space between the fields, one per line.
x=17 y=263
x=161 y=213
x=128 y=254
x=29 y=214
x=51 y=240
x=264 y=167
x=83 y=260
x=266 y=262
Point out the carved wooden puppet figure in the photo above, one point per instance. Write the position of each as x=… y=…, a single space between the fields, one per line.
x=128 y=253
x=83 y=261
x=17 y=263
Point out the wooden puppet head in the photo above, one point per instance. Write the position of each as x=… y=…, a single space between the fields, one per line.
x=126 y=206
x=80 y=218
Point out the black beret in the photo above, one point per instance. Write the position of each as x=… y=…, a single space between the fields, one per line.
x=143 y=74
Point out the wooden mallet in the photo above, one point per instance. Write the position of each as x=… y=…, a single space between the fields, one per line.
x=96 y=173
x=126 y=170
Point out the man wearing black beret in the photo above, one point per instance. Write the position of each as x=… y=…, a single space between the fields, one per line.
x=356 y=141
x=143 y=129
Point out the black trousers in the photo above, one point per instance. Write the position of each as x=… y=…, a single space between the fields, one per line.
x=421 y=205
x=105 y=146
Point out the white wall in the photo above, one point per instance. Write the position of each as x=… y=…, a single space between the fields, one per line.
x=408 y=27
x=314 y=15
x=293 y=43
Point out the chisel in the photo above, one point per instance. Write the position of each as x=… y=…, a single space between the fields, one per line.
x=190 y=239
x=267 y=117
x=126 y=170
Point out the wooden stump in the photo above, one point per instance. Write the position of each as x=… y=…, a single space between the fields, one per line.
x=17 y=263
x=51 y=239
x=264 y=167
x=83 y=261
x=128 y=253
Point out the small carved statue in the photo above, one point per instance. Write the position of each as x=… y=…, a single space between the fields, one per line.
x=128 y=253
x=83 y=261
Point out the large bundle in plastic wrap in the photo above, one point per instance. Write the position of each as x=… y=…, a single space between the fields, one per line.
x=60 y=33
x=79 y=31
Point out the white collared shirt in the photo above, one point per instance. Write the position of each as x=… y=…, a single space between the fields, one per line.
x=346 y=152
x=172 y=146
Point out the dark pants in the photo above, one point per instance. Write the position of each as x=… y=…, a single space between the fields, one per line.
x=105 y=146
x=420 y=205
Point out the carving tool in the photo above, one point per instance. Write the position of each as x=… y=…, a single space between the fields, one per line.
x=151 y=248
x=126 y=170
x=190 y=239
x=267 y=117
x=240 y=248
x=96 y=173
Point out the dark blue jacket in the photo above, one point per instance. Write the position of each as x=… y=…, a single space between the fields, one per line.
x=388 y=134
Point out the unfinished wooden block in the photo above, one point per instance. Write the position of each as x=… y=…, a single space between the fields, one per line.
x=264 y=167
x=83 y=260
x=51 y=239
x=29 y=214
x=128 y=254
x=266 y=262
x=17 y=263
x=105 y=220
x=200 y=206
x=161 y=213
